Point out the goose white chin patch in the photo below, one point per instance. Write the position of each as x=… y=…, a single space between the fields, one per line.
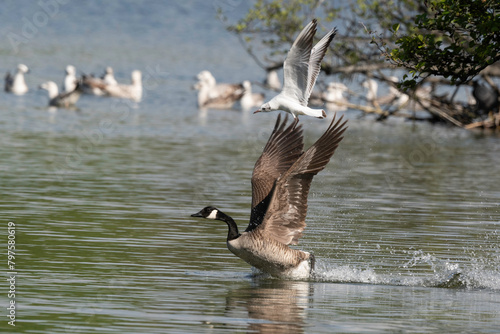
x=213 y=214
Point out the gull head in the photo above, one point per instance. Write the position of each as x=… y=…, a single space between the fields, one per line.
x=205 y=79
x=51 y=87
x=266 y=107
x=70 y=69
x=21 y=68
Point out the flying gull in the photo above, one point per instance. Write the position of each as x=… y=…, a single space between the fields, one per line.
x=301 y=69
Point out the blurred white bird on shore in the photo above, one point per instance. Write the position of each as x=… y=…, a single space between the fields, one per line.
x=108 y=77
x=249 y=99
x=70 y=79
x=273 y=81
x=16 y=84
x=63 y=100
x=334 y=96
x=214 y=95
x=132 y=91
x=95 y=86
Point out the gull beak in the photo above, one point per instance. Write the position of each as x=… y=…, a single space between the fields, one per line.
x=256 y=111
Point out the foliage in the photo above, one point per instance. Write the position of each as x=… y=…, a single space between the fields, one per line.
x=272 y=25
x=455 y=39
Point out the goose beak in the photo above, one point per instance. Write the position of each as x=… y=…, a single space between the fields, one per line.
x=198 y=214
x=256 y=111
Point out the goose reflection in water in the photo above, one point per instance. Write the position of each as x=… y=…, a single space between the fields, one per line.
x=273 y=306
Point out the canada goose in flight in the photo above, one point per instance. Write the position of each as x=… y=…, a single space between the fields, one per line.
x=15 y=83
x=280 y=184
x=301 y=69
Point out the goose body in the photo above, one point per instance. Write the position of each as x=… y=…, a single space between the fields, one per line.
x=280 y=185
x=301 y=69
x=271 y=256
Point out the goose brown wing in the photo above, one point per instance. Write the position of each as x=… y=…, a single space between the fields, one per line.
x=283 y=148
x=285 y=217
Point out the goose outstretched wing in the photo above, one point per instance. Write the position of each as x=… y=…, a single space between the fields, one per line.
x=284 y=220
x=283 y=148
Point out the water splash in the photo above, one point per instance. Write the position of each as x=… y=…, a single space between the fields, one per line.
x=423 y=269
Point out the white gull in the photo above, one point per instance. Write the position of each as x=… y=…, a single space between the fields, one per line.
x=214 y=95
x=16 y=84
x=334 y=96
x=132 y=91
x=95 y=86
x=273 y=81
x=394 y=97
x=63 y=100
x=301 y=69
x=108 y=78
x=249 y=99
x=70 y=79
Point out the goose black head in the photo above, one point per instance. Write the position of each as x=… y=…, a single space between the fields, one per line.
x=208 y=212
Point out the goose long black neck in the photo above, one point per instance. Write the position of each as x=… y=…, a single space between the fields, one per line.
x=233 y=228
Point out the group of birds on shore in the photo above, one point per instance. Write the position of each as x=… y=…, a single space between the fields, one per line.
x=73 y=87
